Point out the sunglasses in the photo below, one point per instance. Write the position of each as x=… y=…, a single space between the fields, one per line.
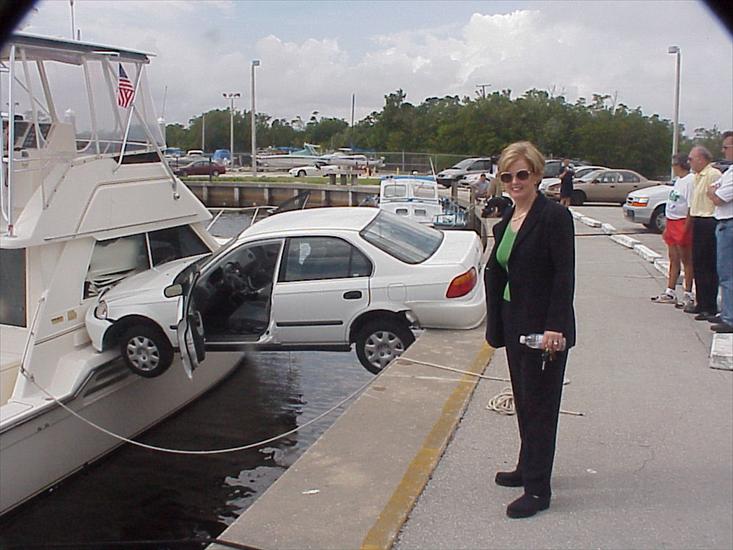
x=521 y=175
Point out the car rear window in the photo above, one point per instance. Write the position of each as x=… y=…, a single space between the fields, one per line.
x=407 y=241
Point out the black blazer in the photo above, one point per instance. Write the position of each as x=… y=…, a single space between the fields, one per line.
x=541 y=276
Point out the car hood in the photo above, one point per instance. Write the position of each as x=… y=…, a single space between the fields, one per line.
x=652 y=192
x=150 y=281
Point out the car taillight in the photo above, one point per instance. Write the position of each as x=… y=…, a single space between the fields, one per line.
x=462 y=285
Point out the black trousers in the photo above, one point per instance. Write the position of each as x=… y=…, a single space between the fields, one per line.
x=704 y=263
x=537 y=394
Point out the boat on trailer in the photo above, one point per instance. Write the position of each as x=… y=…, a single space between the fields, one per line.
x=87 y=200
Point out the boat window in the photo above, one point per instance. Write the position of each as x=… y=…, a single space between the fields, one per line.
x=402 y=239
x=425 y=191
x=174 y=243
x=113 y=260
x=395 y=190
x=314 y=258
x=12 y=283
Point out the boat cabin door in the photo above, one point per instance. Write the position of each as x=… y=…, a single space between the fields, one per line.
x=228 y=305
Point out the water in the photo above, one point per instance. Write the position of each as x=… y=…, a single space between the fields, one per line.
x=135 y=494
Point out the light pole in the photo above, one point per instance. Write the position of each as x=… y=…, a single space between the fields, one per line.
x=675 y=137
x=255 y=63
x=203 y=131
x=230 y=96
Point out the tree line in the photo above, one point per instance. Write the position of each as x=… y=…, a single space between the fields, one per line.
x=598 y=131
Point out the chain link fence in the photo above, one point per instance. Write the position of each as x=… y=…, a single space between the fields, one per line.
x=405 y=162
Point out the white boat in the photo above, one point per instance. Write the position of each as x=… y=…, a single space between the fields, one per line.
x=412 y=197
x=345 y=157
x=87 y=200
x=307 y=156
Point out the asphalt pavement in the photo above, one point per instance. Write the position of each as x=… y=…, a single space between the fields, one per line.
x=648 y=465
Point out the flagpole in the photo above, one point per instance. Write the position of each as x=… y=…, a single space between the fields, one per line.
x=129 y=117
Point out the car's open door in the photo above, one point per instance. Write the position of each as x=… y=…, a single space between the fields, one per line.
x=228 y=305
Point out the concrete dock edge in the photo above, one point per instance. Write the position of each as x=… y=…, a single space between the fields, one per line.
x=355 y=486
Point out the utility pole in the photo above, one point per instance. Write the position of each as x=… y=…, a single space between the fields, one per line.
x=255 y=63
x=230 y=96
x=353 y=99
x=203 y=131
x=73 y=27
x=483 y=89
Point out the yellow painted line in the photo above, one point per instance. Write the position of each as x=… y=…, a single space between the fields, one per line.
x=382 y=534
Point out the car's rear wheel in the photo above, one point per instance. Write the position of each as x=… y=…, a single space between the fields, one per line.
x=658 y=221
x=215 y=173
x=577 y=198
x=381 y=341
x=301 y=174
x=146 y=350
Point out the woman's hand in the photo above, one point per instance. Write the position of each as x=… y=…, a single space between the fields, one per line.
x=553 y=341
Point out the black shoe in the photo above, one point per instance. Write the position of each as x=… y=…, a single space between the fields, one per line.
x=722 y=328
x=715 y=319
x=692 y=307
x=704 y=316
x=509 y=479
x=527 y=505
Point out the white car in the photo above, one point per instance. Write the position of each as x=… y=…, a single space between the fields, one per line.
x=647 y=206
x=315 y=279
x=302 y=171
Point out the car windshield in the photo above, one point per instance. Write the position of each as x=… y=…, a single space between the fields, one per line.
x=407 y=241
x=465 y=163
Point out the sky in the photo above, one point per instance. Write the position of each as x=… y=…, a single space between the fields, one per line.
x=315 y=54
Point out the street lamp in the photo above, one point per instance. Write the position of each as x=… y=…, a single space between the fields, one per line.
x=255 y=63
x=675 y=137
x=230 y=96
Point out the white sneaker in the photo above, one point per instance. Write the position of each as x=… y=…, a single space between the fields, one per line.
x=664 y=298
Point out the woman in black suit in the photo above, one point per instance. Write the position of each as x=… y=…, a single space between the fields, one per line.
x=530 y=280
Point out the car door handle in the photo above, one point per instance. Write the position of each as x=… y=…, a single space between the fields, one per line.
x=352 y=295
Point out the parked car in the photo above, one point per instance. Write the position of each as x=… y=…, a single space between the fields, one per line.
x=477 y=165
x=315 y=279
x=647 y=206
x=580 y=172
x=603 y=186
x=302 y=171
x=194 y=153
x=203 y=167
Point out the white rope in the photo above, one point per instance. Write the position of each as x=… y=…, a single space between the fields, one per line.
x=30 y=378
x=503 y=402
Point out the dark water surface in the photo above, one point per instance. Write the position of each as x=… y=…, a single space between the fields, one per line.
x=135 y=494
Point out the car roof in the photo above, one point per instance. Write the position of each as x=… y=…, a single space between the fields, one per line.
x=341 y=218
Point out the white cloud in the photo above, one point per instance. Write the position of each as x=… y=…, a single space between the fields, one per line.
x=576 y=49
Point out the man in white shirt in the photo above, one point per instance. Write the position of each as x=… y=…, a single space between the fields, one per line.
x=721 y=193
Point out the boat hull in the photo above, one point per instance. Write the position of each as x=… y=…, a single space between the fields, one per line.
x=46 y=446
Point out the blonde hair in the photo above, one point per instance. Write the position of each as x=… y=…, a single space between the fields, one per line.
x=522 y=150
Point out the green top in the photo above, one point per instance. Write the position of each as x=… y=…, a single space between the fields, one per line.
x=503 y=253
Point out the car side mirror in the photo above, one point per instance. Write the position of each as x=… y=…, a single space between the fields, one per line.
x=172 y=291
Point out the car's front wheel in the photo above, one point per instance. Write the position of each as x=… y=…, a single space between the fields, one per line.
x=658 y=221
x=381 y=341
x=215 y=173
x=146 y=350
x=301 y=174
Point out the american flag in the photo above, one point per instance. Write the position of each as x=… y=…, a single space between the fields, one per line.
x=125 y=90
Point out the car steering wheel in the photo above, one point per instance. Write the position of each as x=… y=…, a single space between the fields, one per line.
x=233 y=279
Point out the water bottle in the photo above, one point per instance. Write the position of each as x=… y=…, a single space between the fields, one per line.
x=535 y=341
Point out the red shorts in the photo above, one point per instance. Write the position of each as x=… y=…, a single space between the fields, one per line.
x=676 y=235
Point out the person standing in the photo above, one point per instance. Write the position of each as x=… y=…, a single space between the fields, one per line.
x=703 y=236
x=721 y=193
x=530 y=283
x=566 y=182
x=678 y=235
